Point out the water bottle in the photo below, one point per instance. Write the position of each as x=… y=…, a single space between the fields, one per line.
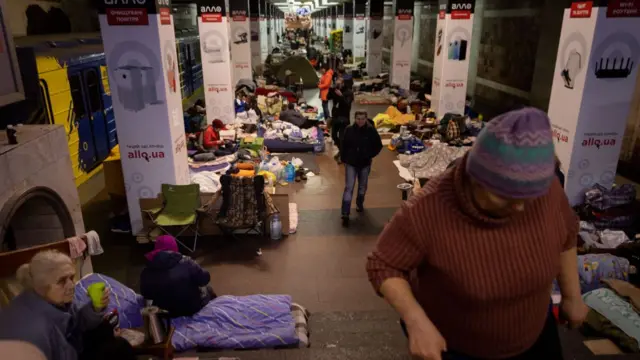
x=290 y=173
x=276 y=227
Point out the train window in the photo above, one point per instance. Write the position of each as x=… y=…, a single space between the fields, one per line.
x=44 y=102
x=76 y=95
x=93 y=86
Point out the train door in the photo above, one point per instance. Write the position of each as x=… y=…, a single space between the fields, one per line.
x=93 y=85
x=108 y=108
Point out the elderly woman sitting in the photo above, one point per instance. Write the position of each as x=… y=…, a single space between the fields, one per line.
x=43 y=314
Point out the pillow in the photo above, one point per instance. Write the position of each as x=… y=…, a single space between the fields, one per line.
x=123 y=299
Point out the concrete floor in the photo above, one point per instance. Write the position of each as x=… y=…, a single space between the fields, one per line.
x=321 y=267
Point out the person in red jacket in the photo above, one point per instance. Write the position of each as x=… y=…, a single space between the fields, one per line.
x=211 y=139
x=324 y=85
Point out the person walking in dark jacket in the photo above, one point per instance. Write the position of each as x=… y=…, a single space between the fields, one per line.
x=342 y=97
x=174 y=282
x=360 y=143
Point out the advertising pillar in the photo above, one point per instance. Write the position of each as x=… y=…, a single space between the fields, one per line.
x=140 y=48
x=402 y=44
x=324 y=22
x=264 y=36
x=334 y=17
x=213 y=27
x=374 y=36
x=254 y=24
x=340 y=19
x=348 y=27
x=593 y=85
x=451 y=59
x=269 y=24
x=240 y=46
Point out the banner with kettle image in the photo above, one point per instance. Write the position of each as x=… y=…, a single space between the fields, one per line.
x=213 y=27
x=254 y=26
x=451 y=59
x=594 y=81
x=374 y=37
x=140 y=49
x=402 y=44
x=240 y=38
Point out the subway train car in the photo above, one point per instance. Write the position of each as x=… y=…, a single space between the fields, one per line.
x=65 y=82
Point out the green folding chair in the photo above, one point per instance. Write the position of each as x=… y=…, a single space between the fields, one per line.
x=181 y=211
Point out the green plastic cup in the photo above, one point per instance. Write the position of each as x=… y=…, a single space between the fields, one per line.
x=96 y=290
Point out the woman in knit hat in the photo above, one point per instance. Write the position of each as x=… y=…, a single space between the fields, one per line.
x=484 y=242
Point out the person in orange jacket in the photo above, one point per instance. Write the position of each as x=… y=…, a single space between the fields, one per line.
x=324 y=85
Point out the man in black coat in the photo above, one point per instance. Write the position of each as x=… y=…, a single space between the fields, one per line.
x=360 y=143
x=342 y=96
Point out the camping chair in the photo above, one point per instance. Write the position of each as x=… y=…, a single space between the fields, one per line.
x=181 y=210
x=245 y=207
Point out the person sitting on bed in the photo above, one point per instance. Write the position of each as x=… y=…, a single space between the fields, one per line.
x=293 y=116
x=174 y=282
x=45 y=316
x=211 y=139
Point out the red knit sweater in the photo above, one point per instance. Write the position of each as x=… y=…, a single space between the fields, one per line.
x=484 y=282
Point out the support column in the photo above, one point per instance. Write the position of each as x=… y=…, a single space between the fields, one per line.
x=415 y=43
x=269 y=26
x=593 y=85
x=274 y=41
x=264 y=37
x=334 y=17
x=374 y=37
x=325 y=23
x=213 y=26
x=254 y=24
x=402 y=42
x=451 y=59
x=340 y=19
x=348 y=27
x=140 y=48
x=240 y=46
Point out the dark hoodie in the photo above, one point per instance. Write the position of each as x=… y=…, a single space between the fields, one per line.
x=173 y=282
x=359 y=145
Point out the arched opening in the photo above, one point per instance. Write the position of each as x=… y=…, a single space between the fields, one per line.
x=35 y=217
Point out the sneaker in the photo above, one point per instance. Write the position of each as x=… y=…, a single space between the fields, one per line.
x=345 y=220
x=120 y=225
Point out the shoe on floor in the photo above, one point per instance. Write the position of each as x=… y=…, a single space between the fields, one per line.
x=120 y=225
x=345 y=220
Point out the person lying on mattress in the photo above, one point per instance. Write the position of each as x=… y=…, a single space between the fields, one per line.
x=293 y=116
x=174 y=282
x=43 y=314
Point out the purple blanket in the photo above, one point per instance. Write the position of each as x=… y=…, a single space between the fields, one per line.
x=238 y=322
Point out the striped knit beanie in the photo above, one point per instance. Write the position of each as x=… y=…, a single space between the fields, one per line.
x=513 y=156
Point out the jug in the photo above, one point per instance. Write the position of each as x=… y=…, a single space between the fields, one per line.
x=156 y=324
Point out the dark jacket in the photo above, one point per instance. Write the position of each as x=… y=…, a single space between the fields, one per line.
x=292 y=116
x=342 y=103
x=57 y=332
x=173 y=282
x=359 y=145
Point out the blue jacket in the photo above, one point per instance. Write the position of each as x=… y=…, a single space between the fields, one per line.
x=173 y=282
x=57 y=332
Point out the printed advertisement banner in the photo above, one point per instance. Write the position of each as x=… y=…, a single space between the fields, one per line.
x=254 y=24
x=374 y=36
x=340 y=19
x=264 y=36
x=240 y=40
x=594 y=81
x=296 y=21
x=402 y=44
x=451 y=61
x=348 y=26
x=140 y=50
x=217 y=72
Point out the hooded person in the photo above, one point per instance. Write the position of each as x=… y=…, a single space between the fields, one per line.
x=488 y=237
x=174 y=282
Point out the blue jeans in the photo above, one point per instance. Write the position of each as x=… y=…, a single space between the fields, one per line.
x=351 y=173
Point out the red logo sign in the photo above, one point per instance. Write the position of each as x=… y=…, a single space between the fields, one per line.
x=211 y=18
x=165 y=16
x=581 y=9
x=239 y=18
x=442 y=14
x=623 y=8
x=460 y=14
x=217 y=89
x=127 y=17
x=454 y=84
x=560 y=137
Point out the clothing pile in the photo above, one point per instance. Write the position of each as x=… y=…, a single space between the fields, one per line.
x=614 y=210
x=433 y=161
x=286 y=131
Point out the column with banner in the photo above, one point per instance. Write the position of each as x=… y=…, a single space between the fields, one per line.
x=340 y=18
x=594 y=80
x=254 y=25
x=451 y=59
x=374 y=36
x=348 y=28
x=142 y=65
x=213 y=27
x=323 y=23
x=269 y=24
x=264 y=37
x=402 y=44
x=334 y=17
x=240 y=45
